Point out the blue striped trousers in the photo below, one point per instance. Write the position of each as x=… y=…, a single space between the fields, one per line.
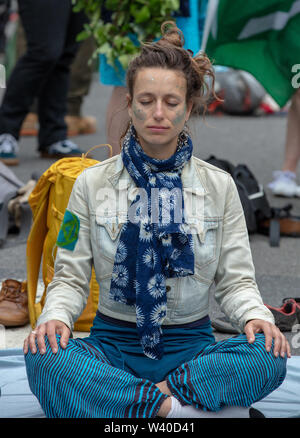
x=79 y=381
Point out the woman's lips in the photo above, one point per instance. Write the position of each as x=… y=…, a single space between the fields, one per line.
x=157 y=128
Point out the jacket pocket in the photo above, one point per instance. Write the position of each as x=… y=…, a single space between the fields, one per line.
x=108 y=231
x=205 y=244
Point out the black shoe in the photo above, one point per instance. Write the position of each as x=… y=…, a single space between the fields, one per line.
x=255 y=413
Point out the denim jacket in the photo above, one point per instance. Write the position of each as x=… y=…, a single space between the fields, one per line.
x=101 y=198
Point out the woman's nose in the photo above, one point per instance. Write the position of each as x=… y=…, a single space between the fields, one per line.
x=158 y=111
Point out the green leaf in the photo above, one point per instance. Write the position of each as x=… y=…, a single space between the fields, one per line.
x=124 y=61
x=112 y=5
x=119 y=18
x=175 y=5
x=142 y=15
x=83 y=35
x=118 y=42
x=105 y=49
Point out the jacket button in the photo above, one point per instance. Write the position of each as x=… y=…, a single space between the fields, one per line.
x=168 y=288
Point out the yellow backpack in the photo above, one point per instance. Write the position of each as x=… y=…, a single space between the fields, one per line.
x=48 y=202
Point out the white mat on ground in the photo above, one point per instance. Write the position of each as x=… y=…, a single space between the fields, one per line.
x=17 y=401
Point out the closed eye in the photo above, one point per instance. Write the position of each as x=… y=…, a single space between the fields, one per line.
x=148 y=102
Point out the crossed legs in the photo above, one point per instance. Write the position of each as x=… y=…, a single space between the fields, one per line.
x=80 y=382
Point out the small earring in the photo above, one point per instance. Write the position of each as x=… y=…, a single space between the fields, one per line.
x=186 y=128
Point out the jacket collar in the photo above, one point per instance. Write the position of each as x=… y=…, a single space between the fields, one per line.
x=191 y=177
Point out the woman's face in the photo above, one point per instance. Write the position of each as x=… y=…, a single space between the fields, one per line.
x=158 y=110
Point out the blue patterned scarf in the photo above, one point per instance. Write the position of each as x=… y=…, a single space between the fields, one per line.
x=155 y=242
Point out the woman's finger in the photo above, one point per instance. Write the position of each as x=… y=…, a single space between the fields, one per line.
x=249 y=333
x=277 y=335
x=51 y=332
x=25 y=346
x=289 y=352
x=268 y=332
x=285 y=347
x=40 y=337
x=32 y=341
x=65 y=335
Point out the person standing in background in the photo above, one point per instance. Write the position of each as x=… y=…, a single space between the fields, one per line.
x=81 y=73
x=51 y=28
x=284 y=183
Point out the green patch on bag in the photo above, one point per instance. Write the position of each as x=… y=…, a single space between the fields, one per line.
x=69 y=231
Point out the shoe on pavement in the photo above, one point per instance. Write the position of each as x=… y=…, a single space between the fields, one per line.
x=78 y=125
x=9 y=149
x=287 y=315
x=30 y=125
x=13 y=303
x=62 y=149
x=284 y=184
x=297 y=301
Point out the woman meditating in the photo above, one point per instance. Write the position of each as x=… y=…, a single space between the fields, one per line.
x=160 y=226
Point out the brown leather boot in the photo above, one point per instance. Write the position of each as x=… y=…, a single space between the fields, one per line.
x=78 y=125
x=13 y=303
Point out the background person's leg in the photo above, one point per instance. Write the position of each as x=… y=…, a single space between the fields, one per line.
x=52 y=105
x=292 y=144
x=285 y=183
x=117 y=118
x=45 y=25
x=82 y=70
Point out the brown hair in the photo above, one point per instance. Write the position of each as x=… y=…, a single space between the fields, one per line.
x=169 y=53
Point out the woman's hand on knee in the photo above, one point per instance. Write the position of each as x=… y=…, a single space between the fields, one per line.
x=272 y=333
x=36 y=339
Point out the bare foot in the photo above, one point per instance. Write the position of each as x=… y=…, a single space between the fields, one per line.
x=166 y=405
x=164 y=387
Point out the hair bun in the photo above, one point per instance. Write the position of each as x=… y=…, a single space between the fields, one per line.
x=171 y=34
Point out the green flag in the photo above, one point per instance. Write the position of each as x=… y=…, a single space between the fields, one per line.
x=258 y=36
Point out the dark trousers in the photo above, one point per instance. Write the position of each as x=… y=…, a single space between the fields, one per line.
x=43 y=71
